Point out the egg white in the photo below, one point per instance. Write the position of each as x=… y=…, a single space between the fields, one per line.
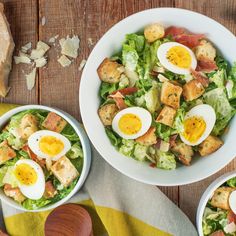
x=36 y=190
x=208 y=114
x=162 y=56
x=232 y=201
x=34 y=139
x=144 y=116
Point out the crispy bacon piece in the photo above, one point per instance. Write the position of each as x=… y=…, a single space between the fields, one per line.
x=218 y=233
x=231 y=217
x=206 y=65
x=126 y=91
x=120 y=103
x=200 y=78
x=117 y=94
x=182 y=36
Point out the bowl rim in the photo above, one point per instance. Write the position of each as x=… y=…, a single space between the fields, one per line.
x=83 y=111
x=85 y=147
x=206 y=196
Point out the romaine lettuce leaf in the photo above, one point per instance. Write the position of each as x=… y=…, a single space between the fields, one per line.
x=137 y=41
x=179 y=119
x=31 y=204
x=129 y=57
x=106 y=89
x=9 y=177
x=140 y=152
x=114 y=138
x=164 y=131
x=166 y=160
x=75 y=151
x=219 y=78
x=70 y=133
x=232 y=182
x=3 y=171
x=127 y=147
x=152 y=99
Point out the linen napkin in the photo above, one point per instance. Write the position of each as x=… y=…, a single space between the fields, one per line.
x=117 y=205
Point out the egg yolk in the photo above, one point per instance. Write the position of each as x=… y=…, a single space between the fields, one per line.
x=51 y=145
x=130 y=124
x=179 y=56
x=194 y=127
x=25 y=174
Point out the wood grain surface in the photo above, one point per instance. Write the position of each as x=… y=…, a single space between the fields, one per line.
x=59 y=87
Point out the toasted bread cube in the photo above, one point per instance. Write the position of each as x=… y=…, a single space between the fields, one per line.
x=109 y=71
x=6 y=152
x=107 y=113
x=170 y=94
x=166 y=116
x=14 y=193
x=184 y=151
x=54 y=122
x=28 y=126
x=220 y=198
x=205 y=50
x=149 y=138
x=192 y=90
x=50 y=191
x=153 y=32
x=64 y=171
x=210 y=145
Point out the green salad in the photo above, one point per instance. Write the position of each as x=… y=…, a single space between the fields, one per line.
x=166 y=96
x=41 y=158
x=218 y=218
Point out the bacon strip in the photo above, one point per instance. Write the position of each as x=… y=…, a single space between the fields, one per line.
x=231 y=217
x=200 y=78
x=206 y=65
x=120 y=103
x=126 y=91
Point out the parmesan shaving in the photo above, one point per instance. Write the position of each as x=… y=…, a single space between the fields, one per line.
x=26 y=47
x=40 y=50
x=64 y=61
x=90 y=42
x=82 y=64
x=162 y=78
x=53 y=39
x=30 y=79
x=70 y=46
x=40 y=62
x=43 y=21
x=22 y=59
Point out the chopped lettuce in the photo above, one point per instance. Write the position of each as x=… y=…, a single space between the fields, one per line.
x=127 y=147
x=106 y=89
x=137 y=41
x=219 y=78
x=3 y=171
x=70 y=133
x=129 y=57
x=31 y=204
x=114 y=138
x=166 y=160
x=232 y=182
x=124 y=82
x=140 y=152
x=152 y=99
x=224 y=112
x=75 y=151
x=178 y=124
x=231 y=83
x=9 y=177
x=221 y=62
x=164 y=131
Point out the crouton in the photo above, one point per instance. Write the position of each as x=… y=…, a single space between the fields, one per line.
x=6 y=152
x=109 y=71
x=210 y=145
x=107 y=113
x=170 y=94
x=192 y=90
x=14 y=193
x=64 y=171
x=220 y=197
x=148 y=138
x=54 y=122
x=50 y=191
x=205 y=50
x=28 y=126
x=166 y=116
x=184 y=152
x=153 y=32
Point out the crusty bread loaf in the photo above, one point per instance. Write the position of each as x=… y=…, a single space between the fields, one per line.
x=6 y=49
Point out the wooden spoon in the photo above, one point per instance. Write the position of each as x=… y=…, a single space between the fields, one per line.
x=68 y=220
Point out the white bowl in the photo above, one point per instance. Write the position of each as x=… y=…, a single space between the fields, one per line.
x=85 y=146
x=111 y=43
x=207 y=195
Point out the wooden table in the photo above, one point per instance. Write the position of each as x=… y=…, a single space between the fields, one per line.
x=59 y=87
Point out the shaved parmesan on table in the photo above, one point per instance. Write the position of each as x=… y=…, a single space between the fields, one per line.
x=30 y=79
x=64 y=61
x=90 y=42
x=82 y=64
x=22 y=59
x=70 y=46
x=43 y=21
x=26 y=47
x=40 y=62
x=53 y=39
x=6 y=49
x=40 y=50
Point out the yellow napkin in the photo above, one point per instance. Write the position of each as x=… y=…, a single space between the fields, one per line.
x=117 y=205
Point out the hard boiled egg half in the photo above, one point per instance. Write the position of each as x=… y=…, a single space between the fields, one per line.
x=132 y=122
x=176 y=58
x=198 y=124
x=49 y=144
x=30 y=178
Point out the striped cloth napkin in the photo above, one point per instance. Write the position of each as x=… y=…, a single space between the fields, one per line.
x=117 y=205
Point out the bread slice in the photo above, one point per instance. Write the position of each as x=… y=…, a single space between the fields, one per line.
x=6 y=49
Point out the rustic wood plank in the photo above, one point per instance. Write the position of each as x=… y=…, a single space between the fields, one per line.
x=22 y=16
x=224 y=12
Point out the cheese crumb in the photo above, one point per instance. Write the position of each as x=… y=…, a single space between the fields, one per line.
x=70 y=46
x=90 y=42
x=26 y=47
x=43 y=21
x=22 y=58
x=82 y=64
x=30 y=79
x=53 y=39
x=40 y=50
x=64 y=61
x=40 y=62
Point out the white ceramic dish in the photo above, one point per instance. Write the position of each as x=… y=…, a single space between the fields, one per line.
x=85 y=146
x=207 y=195
x=89 y=100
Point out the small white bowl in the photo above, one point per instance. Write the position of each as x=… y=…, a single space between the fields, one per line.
x=85 y=146
x=110 y=44
x=207 y=195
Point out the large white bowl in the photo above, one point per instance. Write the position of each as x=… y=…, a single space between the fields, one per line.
x=111 y=43
x=207 y=195
x=85 y=146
